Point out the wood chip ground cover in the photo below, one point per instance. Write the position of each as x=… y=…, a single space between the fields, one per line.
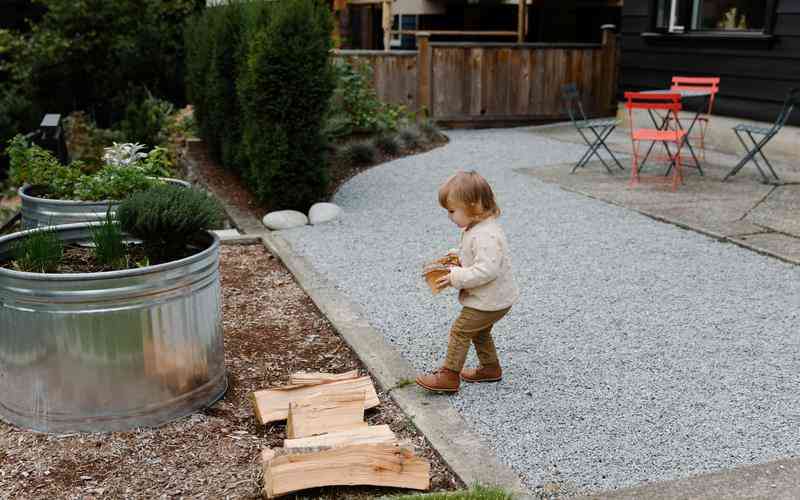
x=271 y=330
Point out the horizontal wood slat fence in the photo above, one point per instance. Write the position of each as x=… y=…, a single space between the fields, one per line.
x=480 y=84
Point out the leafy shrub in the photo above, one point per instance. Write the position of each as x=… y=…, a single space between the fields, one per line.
x=159 y=163
x=85 y=141
x=355 y=98
x=34 y=165
x=387 y=143
x=111 y=183
x=38 y=252
x=87 y=55
x=164 y=217
x=109 y=247
x=284 y=91
x=145 y=120
x=359 y=153
x=411 y=137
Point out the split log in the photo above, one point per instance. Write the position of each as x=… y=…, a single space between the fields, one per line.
x=272 y=405
x=364 y=435
x=325 y=412
x=312 y=378
x=364 y=464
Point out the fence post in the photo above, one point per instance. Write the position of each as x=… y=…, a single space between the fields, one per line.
x=608 y=97
x=425 y=74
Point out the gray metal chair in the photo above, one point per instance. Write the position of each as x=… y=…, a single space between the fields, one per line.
x=766 y=134
x=600 y=128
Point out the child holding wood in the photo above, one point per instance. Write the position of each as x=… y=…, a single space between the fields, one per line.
x=486 y=287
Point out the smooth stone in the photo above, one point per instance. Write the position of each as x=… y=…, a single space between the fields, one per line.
x=284 y=219
x=323 y=212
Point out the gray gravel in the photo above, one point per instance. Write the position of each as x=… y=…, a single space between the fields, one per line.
x=638 y=351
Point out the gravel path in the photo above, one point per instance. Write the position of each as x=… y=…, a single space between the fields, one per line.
x=638 y=351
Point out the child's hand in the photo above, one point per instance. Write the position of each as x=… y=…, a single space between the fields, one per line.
x=443 y=282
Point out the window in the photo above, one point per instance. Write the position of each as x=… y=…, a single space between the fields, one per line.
x=681 y=16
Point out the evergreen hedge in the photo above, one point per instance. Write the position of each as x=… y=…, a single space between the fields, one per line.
x=260 y=78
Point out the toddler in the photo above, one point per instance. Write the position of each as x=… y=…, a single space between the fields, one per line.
x=486 y=287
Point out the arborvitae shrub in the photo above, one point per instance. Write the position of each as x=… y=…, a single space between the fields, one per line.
x=165 y=217
x=284 y=92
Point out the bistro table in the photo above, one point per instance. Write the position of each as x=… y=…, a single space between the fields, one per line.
x=691 y=100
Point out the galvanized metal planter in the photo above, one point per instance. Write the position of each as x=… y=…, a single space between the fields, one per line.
x=110 y=351
x=39 y=212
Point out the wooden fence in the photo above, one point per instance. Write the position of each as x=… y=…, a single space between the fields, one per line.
x=472 y=84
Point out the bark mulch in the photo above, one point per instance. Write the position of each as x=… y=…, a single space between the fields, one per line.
x=271 y=330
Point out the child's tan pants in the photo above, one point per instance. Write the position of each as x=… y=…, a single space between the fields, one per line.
x=473 y=326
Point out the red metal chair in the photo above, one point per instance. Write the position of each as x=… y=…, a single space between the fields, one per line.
x=669 y=133
x=699 y=83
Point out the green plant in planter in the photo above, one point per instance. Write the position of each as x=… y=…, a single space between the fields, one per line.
x=112 y=183
x=109 y=246
x=166 y=217
x=38 y=252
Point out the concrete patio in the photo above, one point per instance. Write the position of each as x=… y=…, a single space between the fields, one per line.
x=742 y=210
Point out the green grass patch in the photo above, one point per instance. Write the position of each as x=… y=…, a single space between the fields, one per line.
x=474 y=493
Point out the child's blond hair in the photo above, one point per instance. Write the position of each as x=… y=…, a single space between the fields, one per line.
x=472 y=192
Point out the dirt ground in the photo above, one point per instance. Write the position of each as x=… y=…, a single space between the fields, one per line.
x=271 y=329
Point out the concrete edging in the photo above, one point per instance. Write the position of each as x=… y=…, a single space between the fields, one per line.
x=433 y=415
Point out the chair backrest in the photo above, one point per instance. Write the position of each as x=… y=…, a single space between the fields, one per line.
x=792 y=100
x=572 y=101
x=669 y=102
x=710 y=83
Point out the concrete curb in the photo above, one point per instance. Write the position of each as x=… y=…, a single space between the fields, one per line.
x=433 y=415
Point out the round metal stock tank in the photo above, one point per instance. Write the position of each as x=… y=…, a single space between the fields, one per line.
x=113 y=350
x=39 y=212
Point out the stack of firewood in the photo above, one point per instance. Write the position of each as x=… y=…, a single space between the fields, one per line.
x=328 y=442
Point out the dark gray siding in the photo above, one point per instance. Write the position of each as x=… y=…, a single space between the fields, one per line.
x=755 y=75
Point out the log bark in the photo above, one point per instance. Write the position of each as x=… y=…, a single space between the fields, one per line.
x=365 y=464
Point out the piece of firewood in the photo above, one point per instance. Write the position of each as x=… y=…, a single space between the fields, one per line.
x=363 y=435
x=272 y=405
x=364 y=464
x=325 y=412
x=315 y=378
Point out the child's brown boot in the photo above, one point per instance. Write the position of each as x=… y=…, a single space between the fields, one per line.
x=488 y=373
x=442 y=380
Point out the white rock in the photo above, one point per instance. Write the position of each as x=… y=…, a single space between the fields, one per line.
x=323 y=212
x=284 y=219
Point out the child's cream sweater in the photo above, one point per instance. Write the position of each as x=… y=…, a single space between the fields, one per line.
x=484 y=278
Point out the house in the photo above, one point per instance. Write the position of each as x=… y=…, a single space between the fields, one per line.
x=362 y=21
x=752 y=45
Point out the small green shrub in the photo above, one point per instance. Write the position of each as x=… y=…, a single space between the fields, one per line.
x=86 y=142
x=429 y=130
x=109 y=247
x=356 y=99
x=36 y=166
x=38 y=252
x=158 y=163
x=387 y=143
x=411 y=137
x=359 y=153
x=165 y=217
x=111 y=183
x=145 y=119
x=336 y=126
